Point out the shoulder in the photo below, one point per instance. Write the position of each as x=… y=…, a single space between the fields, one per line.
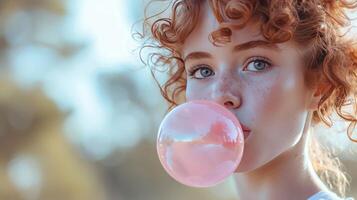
x=322 y=195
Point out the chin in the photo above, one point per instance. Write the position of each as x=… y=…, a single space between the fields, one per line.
x=244 y=168
x=247 y=165
x=251 y=161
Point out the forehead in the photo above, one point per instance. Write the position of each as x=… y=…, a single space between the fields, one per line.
x=207 y=23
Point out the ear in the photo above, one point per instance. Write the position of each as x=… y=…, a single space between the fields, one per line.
x=316 y=95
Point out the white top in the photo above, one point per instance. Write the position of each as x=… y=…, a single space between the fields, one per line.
x=326 y=196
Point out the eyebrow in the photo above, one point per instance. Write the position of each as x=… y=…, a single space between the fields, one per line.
x=256 y=43
x=239 y=47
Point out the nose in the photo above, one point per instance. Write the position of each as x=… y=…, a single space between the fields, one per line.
x=227 y=94
x=228 y=100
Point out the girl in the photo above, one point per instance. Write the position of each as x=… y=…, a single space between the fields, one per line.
x=281 y=66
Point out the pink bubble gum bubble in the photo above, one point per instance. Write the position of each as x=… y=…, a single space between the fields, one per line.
x=200 y=143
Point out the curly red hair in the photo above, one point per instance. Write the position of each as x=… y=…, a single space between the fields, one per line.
x=330 y=56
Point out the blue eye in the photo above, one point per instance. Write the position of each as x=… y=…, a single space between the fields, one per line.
x=259 y=64
x=201 y=72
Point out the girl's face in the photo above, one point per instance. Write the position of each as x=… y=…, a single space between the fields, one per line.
x=263 y=85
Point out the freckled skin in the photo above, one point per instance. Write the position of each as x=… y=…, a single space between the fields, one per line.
x=271 y=102
x=270 y=99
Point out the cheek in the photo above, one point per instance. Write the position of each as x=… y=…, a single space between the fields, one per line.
x=277 y=112
x=277 y=119
x=190 y=91
x=279 y=96
x=263 y=94
x=195 y=90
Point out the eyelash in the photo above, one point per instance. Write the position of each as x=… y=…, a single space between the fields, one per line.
x=260 y=59
x=195 y=68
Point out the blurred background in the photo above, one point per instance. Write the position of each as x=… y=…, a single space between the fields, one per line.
x=79 y=111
